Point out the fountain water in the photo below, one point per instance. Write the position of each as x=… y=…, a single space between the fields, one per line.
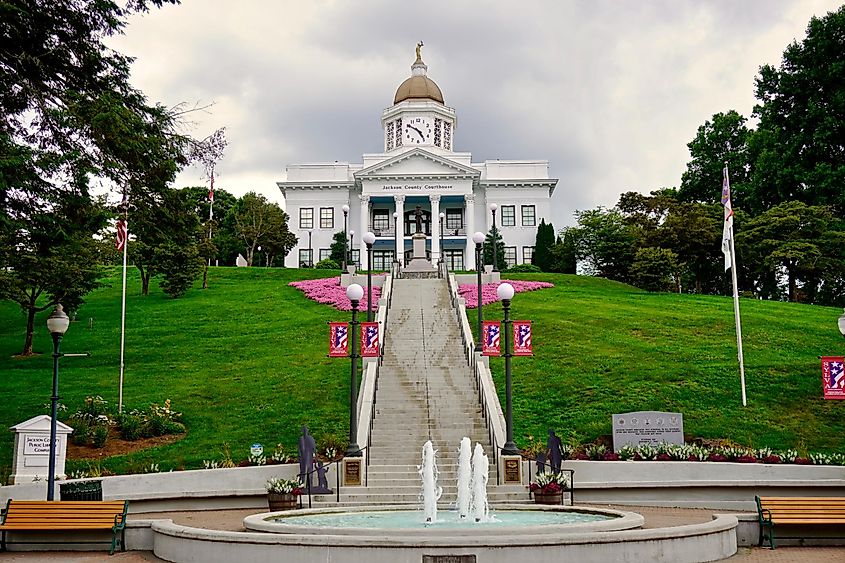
x=480 y=473
x=430 y=491
x=464 y=478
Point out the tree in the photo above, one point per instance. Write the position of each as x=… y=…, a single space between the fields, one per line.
x=337 y=247
x=261 y=223
x=563 y=254
x=278 y=241
x=543 y=246
x=606 y=243
x=655 y=269
x=49 y=253
x=723 y=140
x=802 y=118
x=494 y=236
x=224 y=238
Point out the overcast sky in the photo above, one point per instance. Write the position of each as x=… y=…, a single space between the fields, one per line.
x=609 y=92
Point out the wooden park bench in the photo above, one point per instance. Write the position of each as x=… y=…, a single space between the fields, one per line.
x=68 y=515
x=798 y=511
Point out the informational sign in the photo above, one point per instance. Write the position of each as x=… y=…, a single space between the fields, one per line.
x=522 y=338
x=338 y=340
x=39 y=445
x=369 y=340
x=491 y=342
x=833 y=378
x=256 y=450
x=647 y=427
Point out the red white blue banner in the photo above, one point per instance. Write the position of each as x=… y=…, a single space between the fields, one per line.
x=833 y=377
x=369 y=340
x=522 y=338
x=338 y=340
x=491 y=338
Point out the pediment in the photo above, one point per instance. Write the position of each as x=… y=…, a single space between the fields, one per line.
x=417 y=162
x=40 y=423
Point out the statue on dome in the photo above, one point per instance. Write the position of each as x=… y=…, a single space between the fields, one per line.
x=419 y=47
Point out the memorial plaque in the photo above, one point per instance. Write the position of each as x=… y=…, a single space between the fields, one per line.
x=449 y=558
x=512 y=469
x=352 y=472
x=647 y=427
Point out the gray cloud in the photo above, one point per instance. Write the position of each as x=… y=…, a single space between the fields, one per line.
x=609 y=92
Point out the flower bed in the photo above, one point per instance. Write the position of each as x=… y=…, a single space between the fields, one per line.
x=329 y=292
x=469 y=291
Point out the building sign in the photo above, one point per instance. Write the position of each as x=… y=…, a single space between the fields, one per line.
x=833 y=378
x=40 y=445
x=647 y=427
x=369 y=340
x=490 y=338
x=417 y=188
x=338 y=340
x=522 y=338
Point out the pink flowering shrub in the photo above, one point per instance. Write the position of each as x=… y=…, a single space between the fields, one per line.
x=328 y=292
x=469 y=291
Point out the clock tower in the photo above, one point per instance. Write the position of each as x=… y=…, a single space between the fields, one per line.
x=418 y=117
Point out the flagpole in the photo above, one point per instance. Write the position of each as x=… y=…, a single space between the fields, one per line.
x=738 y=322
x=123 y=324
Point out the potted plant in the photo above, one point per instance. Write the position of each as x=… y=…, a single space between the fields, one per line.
x=548 y=488
x=282 y=493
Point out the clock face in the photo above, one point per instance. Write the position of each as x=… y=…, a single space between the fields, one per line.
x=418 y=131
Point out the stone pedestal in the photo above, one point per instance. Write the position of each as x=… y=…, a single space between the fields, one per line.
x=419 y=266
x=353 y=471
x=512 y=469
x=31 y=457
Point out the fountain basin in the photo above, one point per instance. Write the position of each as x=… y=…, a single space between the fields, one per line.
x=400 y=522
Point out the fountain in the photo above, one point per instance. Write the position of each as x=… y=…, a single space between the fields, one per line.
x=480 y=473
x=464 y=478
x=430 y=491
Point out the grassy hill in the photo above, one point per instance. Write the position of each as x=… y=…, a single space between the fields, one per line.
x=245 y=361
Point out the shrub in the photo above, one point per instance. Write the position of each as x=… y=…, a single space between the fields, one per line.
x=130 y=425
x=327 y=264
x=525 y=268
x=100 y=435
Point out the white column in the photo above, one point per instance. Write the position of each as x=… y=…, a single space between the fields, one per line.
x=399 y=202
x=365 y=226
x=435 y=228
x=469 y=257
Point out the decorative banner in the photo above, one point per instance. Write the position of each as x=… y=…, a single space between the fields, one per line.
x=522 y=338
x=833 y=378
x=490 y=341
x=369 y=340
x=338 y=340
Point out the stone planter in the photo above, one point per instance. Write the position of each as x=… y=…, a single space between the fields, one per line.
x=281 y=501
x=548 y=498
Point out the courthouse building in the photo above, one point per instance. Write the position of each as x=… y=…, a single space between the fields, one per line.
x=418 y=168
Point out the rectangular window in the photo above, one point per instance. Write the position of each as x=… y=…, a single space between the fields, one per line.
x=454 y=220
x=356 y=257
x=381 y=221
x=508 y=215
x=325 y=253
x=527 y=254
x=382 y=259
x=510 y=256
x=306 y=217
x=305 y=258
x=455 y=259
x=528 y=217
x=327 y=217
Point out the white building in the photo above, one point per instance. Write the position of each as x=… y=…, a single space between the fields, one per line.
x=417 y=168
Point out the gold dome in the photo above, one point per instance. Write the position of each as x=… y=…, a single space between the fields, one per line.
x=416 y=88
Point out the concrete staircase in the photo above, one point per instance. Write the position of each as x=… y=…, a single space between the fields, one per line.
x=426 y=391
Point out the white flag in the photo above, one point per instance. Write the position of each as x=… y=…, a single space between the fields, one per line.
x=727 y=228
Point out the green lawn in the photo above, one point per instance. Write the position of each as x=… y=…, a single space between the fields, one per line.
x=246 y=362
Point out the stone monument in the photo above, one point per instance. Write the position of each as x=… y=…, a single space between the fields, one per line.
x=419 y=267
x=31 y=457
x=647 y=427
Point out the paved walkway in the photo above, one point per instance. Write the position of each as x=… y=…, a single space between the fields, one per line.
x=231 y=520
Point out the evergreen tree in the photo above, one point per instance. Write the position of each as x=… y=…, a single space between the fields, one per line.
x=562 y=256
x=543 y=246
x=495 y=235
x=339 y=243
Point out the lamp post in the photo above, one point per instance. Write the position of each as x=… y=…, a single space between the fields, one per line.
x=369 y=239
x=310 y=252
x=842 y=324
x=351 y=247
x=354 y=292
x=442 y=220
x=345 y=209
x=478 y=239
x=493 y=207
x=505 y=293
x=259 y=255
x=396 y=235
x=57 y=324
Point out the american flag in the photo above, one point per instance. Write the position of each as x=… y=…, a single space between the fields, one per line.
x=492 y=336
x=340 y=336
x=371 y=336
x=523 y=335
x=122 y=234
x=727 y=228
x=837 y=375
x=211 y=189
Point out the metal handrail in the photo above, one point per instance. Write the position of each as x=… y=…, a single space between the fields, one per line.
x=336 y=463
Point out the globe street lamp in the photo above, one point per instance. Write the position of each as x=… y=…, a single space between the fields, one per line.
x=478 y=239
x=505 y=293
x=345 y=209
x=442 y=220
x=354 y=292
x=842 y=324
x=57 y=324
x=493 y=208
x=351 y=247
x=310 y=252
x=396 y=234
x=369 y=239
